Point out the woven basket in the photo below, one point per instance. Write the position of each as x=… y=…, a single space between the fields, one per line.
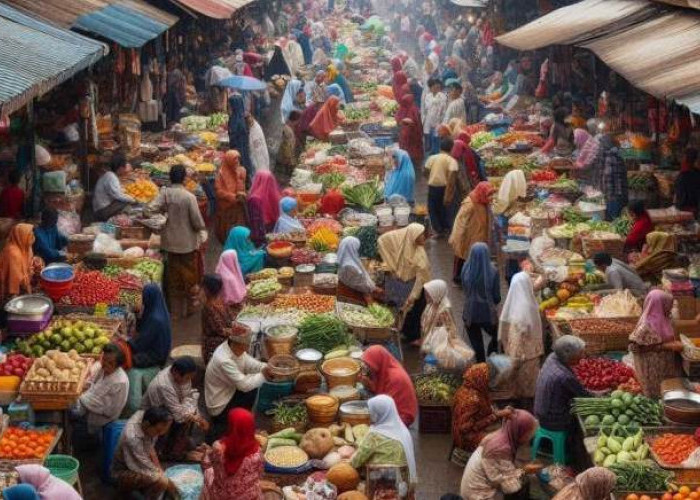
x=616 y=339
x=613 y=247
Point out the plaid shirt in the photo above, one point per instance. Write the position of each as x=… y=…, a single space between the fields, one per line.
x=609 y=172
x=556 y=387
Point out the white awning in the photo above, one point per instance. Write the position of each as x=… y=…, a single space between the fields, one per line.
x=480 y=4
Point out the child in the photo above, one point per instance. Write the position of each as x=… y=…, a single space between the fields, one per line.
x=443 y=169
x=12 y=197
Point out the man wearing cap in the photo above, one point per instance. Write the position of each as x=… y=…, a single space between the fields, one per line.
x=232 y=379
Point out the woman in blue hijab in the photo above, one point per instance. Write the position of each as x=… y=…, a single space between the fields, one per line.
x=402 y=179
x=154 y=338
x=20 y=492
x=287 y=223
x=250 y=259
x=336 y=90
x=482 y=293
x=289 y=99
x=238 y=134
x=343 y=82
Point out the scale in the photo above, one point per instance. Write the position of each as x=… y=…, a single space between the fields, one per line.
x=27 y=314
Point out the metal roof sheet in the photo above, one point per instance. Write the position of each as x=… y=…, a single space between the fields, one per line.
x=35 y=57
x=217 y=9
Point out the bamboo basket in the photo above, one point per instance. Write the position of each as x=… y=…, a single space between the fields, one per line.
x=59 y=399
x=322 y=409
x=365 y=333
x=598 y=343
x=347 y=364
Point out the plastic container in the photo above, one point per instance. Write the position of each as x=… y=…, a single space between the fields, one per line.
x=402 y=215
x=57 y=280
x=63 y=467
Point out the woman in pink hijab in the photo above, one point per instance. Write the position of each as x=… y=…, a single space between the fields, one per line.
x=263 y=205
x=653 y=344
x=47 y=487
x=233 y=290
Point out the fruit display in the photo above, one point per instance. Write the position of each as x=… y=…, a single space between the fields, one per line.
x=674 y=449
x=56 y=371
x=90 y=288
x=15 y=364
x=23 y=444
x=600 y=374
x=436 y=389
x=84 y=337
x=142 y=190
x=621 y=407
x=616 y=448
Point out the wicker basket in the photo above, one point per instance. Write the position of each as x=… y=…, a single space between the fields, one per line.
x=57 y=399
x=322 y=409
x=282 y=368
x=615 y=248
x=616 y=339
x=365 y=333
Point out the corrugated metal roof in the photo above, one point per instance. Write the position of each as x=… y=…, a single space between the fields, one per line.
x=130 y=23
x=35 y=57
x=217 y=9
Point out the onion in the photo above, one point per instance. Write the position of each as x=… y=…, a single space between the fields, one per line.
x=346 y=451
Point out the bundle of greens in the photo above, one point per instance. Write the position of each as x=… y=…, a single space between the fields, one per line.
x=364 y=195
x=323 y=332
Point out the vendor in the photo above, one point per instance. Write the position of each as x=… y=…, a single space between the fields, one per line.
x=596 y=483
x=327 y=119
x=172 y=389
x=472 y=411
x=135 y=467
x=491 y=471
x=384 y=374
x=217 y=316
x=354 y=281
x=401 y=180
x=230 y=194
x=251 y=259
x=287 y=222
x=108 y=198
x=659 y=253
x=618 y=274
x=232 y=379
x=557 y=385
x=49 y=243
x=154 y=338
x=17 y=262
x=12 y=197
x=640 y=228
x=561 y=135
x=263 y=206
x=388 y=442
x=104 y=401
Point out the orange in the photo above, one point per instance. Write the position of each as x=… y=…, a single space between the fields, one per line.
x=632 y=496
x=684 y=490
x=645 y=497
x=678 y=496
x=694 y=495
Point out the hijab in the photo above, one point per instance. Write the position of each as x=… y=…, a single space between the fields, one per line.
x=229 y=268
x=47 y=486
x=396 y=65
x=520 y=307
x=336 y=90
x=349 y=258
x=154 y=331
x=385 y=421
x=277 y=65
x=331 y=73
x=238 y=129
x=437 y=302
x=230 y=179
x=402 y=179
x=400 y=252
x=408 y=109
x=462 y=152
x=399 y=80
x=289 y=98
x=388 y=376
x=480 y=194
x=514 y=186
x=265 y=188
x=654 y=325
x=596 y=483
x=515 y=430
x=20 y=492
x=326 y=119
x=478 y=277
x=286 y=223
x=250 y=259
x=239 y=441
x=16 y=261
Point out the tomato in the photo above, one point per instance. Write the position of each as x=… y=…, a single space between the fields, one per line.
x=632 y=496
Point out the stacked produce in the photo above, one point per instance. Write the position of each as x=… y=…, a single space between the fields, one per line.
x=305 y=256
x=55 y=371
x=620 y=304
x=323 y=240
x=364 y=195
x=323 y=332
x=289 y=415
x=373 y=316
x=142 y=190
x=21 y=444
x=615 y=448
x=641 y=476
x=600 y=374
x=65 y=335
x=90 y=288
x=15 y=365
x=262 y=289
x=621 y=407
x=305 y=302
x=675 y=449
x=436 y=389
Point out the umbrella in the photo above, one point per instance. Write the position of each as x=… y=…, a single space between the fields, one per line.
x=242 y=83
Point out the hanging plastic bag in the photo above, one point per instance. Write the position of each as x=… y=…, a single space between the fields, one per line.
x=107 y=245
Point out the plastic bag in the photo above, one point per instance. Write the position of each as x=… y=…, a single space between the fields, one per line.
x=107 y=245
x=188 y=479
x=68 y=222
x=451 y=352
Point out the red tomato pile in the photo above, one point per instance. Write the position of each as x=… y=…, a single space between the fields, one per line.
x=543 y=175
x=16 y=364
x=599 y=374
x=92 y=287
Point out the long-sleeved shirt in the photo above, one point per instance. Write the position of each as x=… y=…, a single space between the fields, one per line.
x=455 y=109
x=378 y=449
x=106 y=398
x=353 y=278
x=184 y=219
x=620 y=276
x=228 y=373
x=485 y=478
x=477 y=308
x=135 y=449
x=48 y=243
x=432 y=110
x=107 y=190
x=556 y=387
x=181 y=400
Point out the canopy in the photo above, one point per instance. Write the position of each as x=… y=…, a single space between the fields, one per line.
x=35 y=57
x=471 y=3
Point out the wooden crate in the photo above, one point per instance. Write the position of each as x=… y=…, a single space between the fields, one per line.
x=55 y=400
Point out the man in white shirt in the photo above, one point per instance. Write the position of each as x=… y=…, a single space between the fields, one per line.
x=432 y=110
x=108 y=198
x=455 y=107
x=231 y=381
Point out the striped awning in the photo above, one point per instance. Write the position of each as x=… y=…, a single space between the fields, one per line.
x=129 y=23
x=35 y=57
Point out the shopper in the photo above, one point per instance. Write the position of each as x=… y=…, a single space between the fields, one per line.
x=586 y=148
x=217 y=317
x=521 y=336
x=327 y=119
x=438 y=310
x=401 y=179
x=238 y=133
x=109 y=198
x=561 y=135
x=151 y=345
x=290 y=98
x=470 y=162
x=263 y=206
x=12 y=197
x=596 y=483
x=610 y=174
x=37 y=480
x=287 y=153
x=230 y=194
x=432 y=110
x=641 y=227
x=288 y=222
x=228 y=268
x=410 y=129
x=687 y=184
x=251 y=259
x=259 y=155
x=49 y=243
x=443 y=170
x=455 y=105
x=397 y=85
x=482 y=294
x=175 y=94
x=17 y=262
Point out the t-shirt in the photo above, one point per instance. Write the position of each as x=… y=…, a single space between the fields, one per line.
x=440 y=165
x=619 y=275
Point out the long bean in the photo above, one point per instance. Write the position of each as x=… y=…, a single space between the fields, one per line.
x=640 y=476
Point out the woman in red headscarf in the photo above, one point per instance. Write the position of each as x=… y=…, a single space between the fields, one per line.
x=411 y=129
x=396 y=64
x=400 y=79
x=326 y=119
x=385 y=375
x=233 y=465
x=263 y=206
x=230 y=194
x=463 y=153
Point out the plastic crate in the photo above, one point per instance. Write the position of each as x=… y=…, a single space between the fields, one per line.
x=63 y=467
x=434 y=419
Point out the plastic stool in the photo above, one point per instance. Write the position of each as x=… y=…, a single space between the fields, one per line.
x=110 y=439
x=558 y=440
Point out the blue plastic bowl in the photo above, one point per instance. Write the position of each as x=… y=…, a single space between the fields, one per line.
x=58 y=273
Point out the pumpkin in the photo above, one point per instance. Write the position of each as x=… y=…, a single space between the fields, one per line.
x=343 y=476
x=317 y=442
x=352 y=495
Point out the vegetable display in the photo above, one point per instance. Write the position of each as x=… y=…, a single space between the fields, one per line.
x=289 y=415
x=615 y=447
x=368 y=241
x=263 y=288
x=305 y=256
x=621 y=407
x=481 y=138
x=324 y=223
x=544 y=175
x=374 y=316
x=324 y=240
x=622 y=225
x=20 y=444
x=438 y=389
x=56 y=371
x=364 y=195
x=90 y=288
x=305 y=302
x=323 y=332
x=640 y=476
x=599 y=374
x=674 y=449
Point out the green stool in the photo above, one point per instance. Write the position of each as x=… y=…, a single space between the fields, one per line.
x=558 y=440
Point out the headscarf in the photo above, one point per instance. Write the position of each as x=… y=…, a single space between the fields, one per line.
x=155 y=335
x=385 y=421
x=396 y=65
x=654 y=325
x=289 y=98
x=520 y=307
x=349 y=258
x=399 y=80
x=402 y=179
x=343 y=82
x=504 y=443
x=408 y=109
x=465 y=154
x=47 y=486
x=230 y=179
x=437 y=302
x=239 y=441
x=250 y=259
x=400 y=252
x=596 y=483
x=514 y=186
x=336 y=90
x=265 y=188
x=480 y=194
x=388 y=376
x=20 y=492
x=238 y=130
x=478 y=276
x=332 y=202
x=659 y=241
x=233 y=290
x=331 y=73
x=277 y=65
x=16 y=261
x=326 y=119
x=286 y=223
